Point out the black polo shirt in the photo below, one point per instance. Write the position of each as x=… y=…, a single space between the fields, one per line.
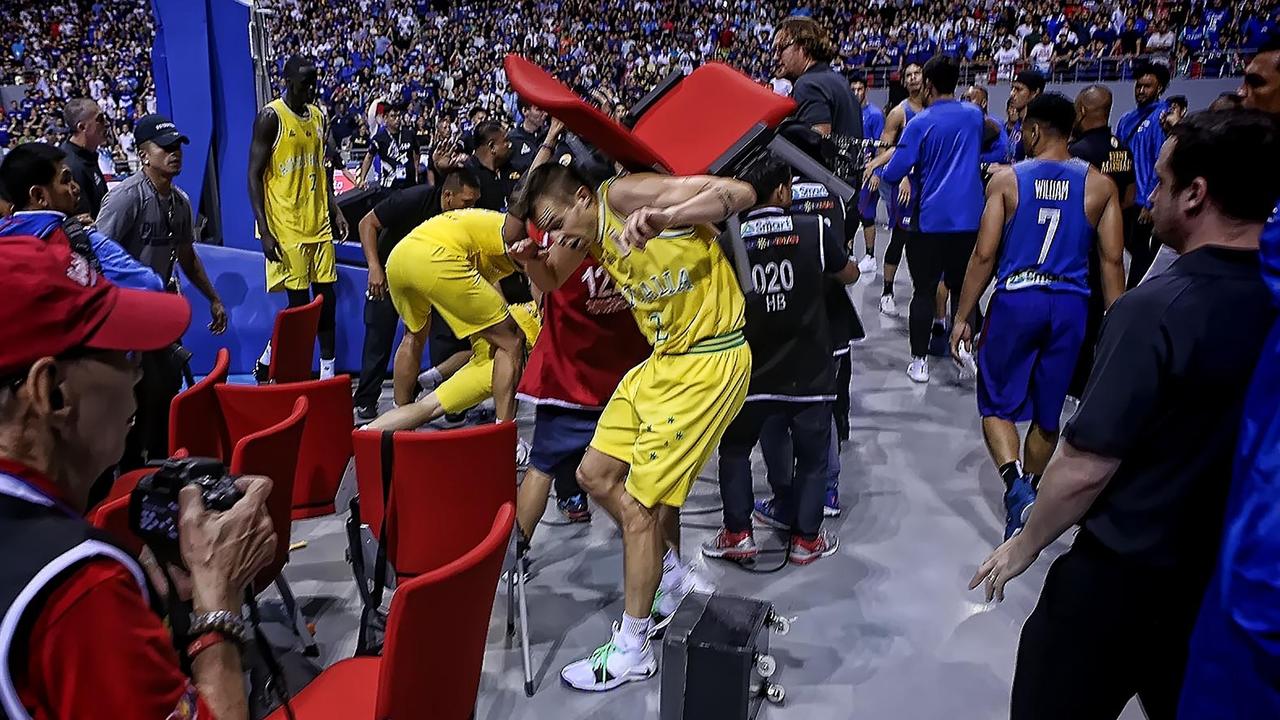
x=1165 y=397
x=524 y=146
x=401 y=212
x=495 y=187
x=823 y=97
x=1103 y=150
x=85 y=171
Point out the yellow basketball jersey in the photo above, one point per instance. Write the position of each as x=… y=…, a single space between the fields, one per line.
x=474 y=234
x=681 y=288
x=296 y=192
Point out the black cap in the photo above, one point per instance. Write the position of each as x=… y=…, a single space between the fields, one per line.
x=159 y=130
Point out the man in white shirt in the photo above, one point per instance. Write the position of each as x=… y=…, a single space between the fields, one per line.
x=1007 y=58
x=1042 y=56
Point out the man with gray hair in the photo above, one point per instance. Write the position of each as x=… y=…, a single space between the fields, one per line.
x=88 y=129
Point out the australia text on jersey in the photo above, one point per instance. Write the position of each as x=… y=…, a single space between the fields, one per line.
x=657 y=287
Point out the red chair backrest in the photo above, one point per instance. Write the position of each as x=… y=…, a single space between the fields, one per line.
x=127 y=481
x=367 y=447
x=112 y=517
x=699 y=119
x=195 y=420
x=273 y=452
x=434 y=649
x=536 y=86
x=293 y=342
x=326 y=436
x=444 y=491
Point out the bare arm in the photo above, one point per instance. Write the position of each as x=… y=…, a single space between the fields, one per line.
x=983 y=260
x=849 y=274
x=193 y=268
x=823 y=129
x=653 y=203
x=365 y=164
x=888 y=140
x=340 y=229
x=265 y=129
x=1111 y=241
x=548 y=268
x=368 y=229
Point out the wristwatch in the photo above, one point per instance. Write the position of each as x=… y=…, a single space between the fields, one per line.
x=224 y=622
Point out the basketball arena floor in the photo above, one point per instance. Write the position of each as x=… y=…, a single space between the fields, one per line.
x=885 y=629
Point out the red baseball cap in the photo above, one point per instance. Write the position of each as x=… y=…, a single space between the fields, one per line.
x=53 y=301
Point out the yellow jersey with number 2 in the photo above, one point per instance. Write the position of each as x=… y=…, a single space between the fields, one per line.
x=680 y=287
x=295 y=189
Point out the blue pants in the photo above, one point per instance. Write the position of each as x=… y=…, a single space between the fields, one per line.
x=1027 y=354
x=802 y=494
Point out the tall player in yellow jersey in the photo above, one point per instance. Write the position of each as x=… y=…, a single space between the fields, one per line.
x=292 y=200
x=650 y=232
x=449 y=266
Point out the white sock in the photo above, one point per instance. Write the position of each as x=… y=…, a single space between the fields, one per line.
x=673 y=571
x=431 y=376
x=265 y=358
x=326 y=368
x=634 y=630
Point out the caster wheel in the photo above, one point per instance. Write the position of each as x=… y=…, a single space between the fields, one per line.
x=766 y=666
x=776 y=694
x=780 y=625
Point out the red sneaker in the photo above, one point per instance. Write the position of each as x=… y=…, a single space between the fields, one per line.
x=731 y=545
x=804 y=551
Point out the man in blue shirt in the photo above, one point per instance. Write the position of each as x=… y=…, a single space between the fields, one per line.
x=940 y=150
x=1140 y=130
x=1234 y=661
x=872 y=127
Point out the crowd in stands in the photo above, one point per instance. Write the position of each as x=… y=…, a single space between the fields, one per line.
x=445 y=66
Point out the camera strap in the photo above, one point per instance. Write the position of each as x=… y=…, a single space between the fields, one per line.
x=380 y=561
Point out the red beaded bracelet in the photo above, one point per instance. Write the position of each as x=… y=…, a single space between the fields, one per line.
x=204 y=642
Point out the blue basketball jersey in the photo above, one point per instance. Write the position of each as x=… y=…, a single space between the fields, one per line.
x=1046 y=242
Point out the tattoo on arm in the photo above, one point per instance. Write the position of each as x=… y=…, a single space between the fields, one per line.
x=726 y=200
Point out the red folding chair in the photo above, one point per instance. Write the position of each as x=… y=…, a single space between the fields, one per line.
x=716 y=121
x=434 y=652
x=273 y=452
x=326 y=438
x=126 y=482
x=293 y=343
x=195 y=418
x=112 y=517
x=442 y=488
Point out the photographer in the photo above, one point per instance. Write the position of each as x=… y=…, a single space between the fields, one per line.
x=80 y=637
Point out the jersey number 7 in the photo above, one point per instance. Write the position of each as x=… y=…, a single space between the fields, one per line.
x=1051 y=216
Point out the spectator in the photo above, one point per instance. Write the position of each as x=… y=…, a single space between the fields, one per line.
x=1160 y=40
x=1177 y=109
x=1041 y=55
x=90 y=646
x=396 y=149
x=1146 y=457
x=1007 y=58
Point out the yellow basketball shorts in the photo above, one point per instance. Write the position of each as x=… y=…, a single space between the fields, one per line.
x=667 y=416
x=301 y=266
x=474 y=381
x=421 y=276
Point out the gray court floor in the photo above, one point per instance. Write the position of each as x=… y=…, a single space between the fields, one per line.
x=884 y=629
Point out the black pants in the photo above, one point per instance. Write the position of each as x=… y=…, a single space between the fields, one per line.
x=1105 y=629
x=897 y=241
x=148 y=439
x=1140 y=244
x=840 y=408
x=326 y=333
x=811 y=437
x=933 y=257
x=380 y=321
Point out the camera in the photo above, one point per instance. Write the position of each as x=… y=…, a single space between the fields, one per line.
x=153 y=505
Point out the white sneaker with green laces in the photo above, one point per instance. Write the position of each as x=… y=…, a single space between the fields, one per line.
x=615 y=663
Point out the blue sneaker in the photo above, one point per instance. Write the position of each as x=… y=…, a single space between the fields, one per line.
x=831 y=506
x=1018 y=500
x=770 y=514
x=574 y=508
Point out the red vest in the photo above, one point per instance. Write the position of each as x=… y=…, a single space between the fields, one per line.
x=589 y=340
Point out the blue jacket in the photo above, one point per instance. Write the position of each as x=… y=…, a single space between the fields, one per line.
x=998 y=150
x=872 y=122
x=1140 y=129
x=118 y=266
x=1233 y=670
x=940 y=148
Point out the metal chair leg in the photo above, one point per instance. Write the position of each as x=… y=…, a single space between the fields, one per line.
x=309 y=647
x=521 y=571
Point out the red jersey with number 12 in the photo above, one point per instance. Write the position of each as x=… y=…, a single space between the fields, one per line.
x=589 y=341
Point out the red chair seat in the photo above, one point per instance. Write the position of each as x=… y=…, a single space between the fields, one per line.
x=347 y=690
x=293 y=342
